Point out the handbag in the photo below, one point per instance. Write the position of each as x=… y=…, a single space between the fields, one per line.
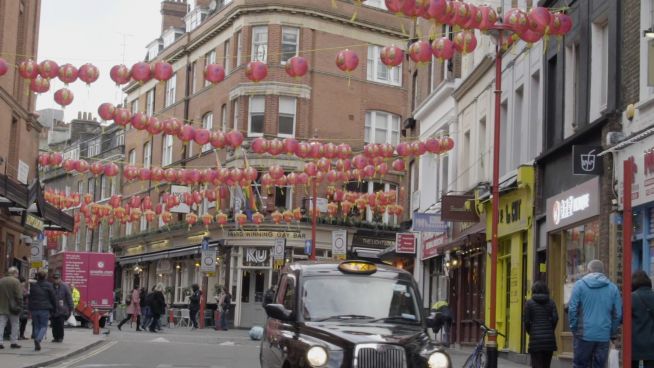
x=614 y=358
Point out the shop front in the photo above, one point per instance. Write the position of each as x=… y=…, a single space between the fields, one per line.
x=572 y=241
x=515 y=257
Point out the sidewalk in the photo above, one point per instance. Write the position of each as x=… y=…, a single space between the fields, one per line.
x=460 y=355
x=75 y=340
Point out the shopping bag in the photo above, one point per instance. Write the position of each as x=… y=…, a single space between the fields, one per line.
x=71 y=321
x=614 y=358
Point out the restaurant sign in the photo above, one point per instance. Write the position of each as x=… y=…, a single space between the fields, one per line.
x=573 y=205
x=373 y=241
x=459 y=208
x=263 y=234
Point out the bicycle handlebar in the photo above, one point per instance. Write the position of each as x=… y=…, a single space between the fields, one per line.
x=487 y=329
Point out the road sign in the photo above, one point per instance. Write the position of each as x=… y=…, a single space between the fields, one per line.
x=307 y=247
x=205 y=244
x=36 y=264
x=208 y=261
x=339 y=244
x=36 y=254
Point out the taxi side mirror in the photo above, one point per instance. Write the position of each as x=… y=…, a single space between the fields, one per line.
x=277 y=311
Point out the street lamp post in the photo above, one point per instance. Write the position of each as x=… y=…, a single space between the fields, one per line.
x=314 y=215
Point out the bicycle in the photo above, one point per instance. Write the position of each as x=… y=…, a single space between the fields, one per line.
x=478 y=358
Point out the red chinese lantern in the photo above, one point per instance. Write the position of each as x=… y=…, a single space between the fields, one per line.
x=324 y=165
x=153 y=126
x=530 y=36
x=275 y=147
x=465 y=41
x=439 y=13
x=88 y=198
x=443 y=48
x=329 y=150
x=106 y=111
x=88 y=73
x=171 y=175
x=202 y=136
x=391 y=56
x=275 y=172
x=28 y=69
x=236 y=174
x=97 y=168
x=302 y=179
x=162 y=71
x=368 y=171
x=347 y=60
x=560 y=24
x=311 y=169
x=539 y=19
x=172 y=126
x=418 y=148
x=297 y=67
x=316 y=150
x=141 y=72
x=241 y=219
x=344 y=151
x=48 y=69
x=297 y=214
x=290 y=145
x=475 y=17
x=398 y=165
x=64 y=97
x=303 y=150
x=415 y=8
x=218 y=139
x=395 y=6
x=359 y=161
x=256 y=71
x=44 y=159
x=191 y=219
x=250 y=173
x=259 y=145
x=214 y=73
x=39 y=85
x=276 y=217
x=4 y=67
x=346 y=207
x=130 y=172
x=234 y=138
x=111 y=169
x=461 y=13
x=120 y=74
x=420 y=52
x=433 y=145
x=192 y=176
x=257 y=218
x=516 y=19
x=488 y=18
x=56 y=158
x=166 y=217
x=187 y=133
x=67 y=73
x=221 y=219
x=122 y=116
x=145 y=173
x=139 y=121
x=68 y=165
x=382 y=169
x=447 y=144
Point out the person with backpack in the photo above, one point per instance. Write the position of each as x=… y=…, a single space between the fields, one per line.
x=442 y=315
x=540 y=319
x=642 y=311
x=194 y=304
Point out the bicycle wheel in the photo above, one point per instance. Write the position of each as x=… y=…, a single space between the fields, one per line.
x=476 y=360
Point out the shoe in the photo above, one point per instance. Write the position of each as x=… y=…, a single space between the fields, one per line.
x=22 y=338
x=138 y=330
x=119 y=328
x=37 y=345
x=57 y=340
x=14 y=346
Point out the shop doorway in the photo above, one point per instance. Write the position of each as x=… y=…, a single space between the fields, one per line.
x=504 y=296
x=253 y=287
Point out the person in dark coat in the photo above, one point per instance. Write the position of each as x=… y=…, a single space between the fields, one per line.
x=194 y=304
x=157 y=306
x=24 y=315
x=42 y=302
x=642 y=311
x=540 y=318
x=63 y=308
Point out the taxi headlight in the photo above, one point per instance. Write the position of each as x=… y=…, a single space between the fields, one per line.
x=317 y=356
x=438 y=360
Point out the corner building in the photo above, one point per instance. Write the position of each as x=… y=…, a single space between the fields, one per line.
x=366 y=105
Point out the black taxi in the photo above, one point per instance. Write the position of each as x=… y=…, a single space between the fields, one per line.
x=347 y=314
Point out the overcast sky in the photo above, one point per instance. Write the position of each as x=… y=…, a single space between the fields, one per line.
x=93 y=31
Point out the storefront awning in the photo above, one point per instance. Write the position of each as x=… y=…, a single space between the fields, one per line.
x=475 y=234
x=507 y=184
x=171 y=253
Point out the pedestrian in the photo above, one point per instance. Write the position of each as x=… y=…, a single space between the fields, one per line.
x=24 y=315
x=75 y=294
x=442 y=315
x=194 y=304
x=540 y=318
x=145 y=309
x=642 y=333
x=225 y=305
x=63 y=307
x=594 y=312
x=11 y=305
x=133 y=308
x=42 y=304
x=157 y=307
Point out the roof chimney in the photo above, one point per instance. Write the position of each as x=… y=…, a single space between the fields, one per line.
x=172 y=13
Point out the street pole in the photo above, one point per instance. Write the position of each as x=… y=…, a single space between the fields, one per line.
x=314 y=216
x=491 y=341
x=626 y=266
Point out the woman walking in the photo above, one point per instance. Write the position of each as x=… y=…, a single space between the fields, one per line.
x=194 y=304
x=133 y=309
x=642 y=310
x=540 y=318
x=157 y=306
x=42 y=302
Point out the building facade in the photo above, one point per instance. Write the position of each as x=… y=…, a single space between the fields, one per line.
x=364 y=106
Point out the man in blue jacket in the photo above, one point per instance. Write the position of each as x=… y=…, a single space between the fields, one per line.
x=594 y=312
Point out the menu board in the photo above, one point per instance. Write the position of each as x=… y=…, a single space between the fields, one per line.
x=75 y=271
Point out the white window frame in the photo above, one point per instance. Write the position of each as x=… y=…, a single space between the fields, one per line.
x=101 y=237
x=143 y=224
x=194 y=79
x=147 y=154
x=227 y=61
x=294 y=31
x=371 y=128
x=223 y=117
x=250 y=113
x=171 y=84
x=131 y=157
x=167 y=157
x=88 y=239
x=236 y=111
x=209 y=58
x=599 y=69
x=135 y=106
x=287 y=114
x=103 y=187
x=90 y=187
x=375 y=66
x=78 y=240
x=149 y=102
x=128 y=228
x=259 y=44
x=239 y=48
x=94 y=147
x=207 y=123
x=379 y=4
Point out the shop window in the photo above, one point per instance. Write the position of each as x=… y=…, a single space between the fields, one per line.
x=245 y=287
x=259 y=284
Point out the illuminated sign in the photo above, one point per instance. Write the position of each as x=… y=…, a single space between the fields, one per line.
x=266 y=234
x=573 y=205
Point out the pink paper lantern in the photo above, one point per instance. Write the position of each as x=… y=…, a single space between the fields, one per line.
x=120 y=74
x=516 y=19
x=187 y=133
x=202 y=136
x=81 y=166
x=111 y=169
x=145 y=173
x=56 y=158
x=154 y=126
x=461 y=13
x=275 y=147
x=214 y=73
x=259 y=145
x=4 y=67
x=64 y=97
x=141 y=72
x=122 y=116
x=398 y=165
x=539 y=19
x=88 y=73
x=347 y=60
x=106 y=111
x=28 y=69
x=218 y=139
x=48 y=69
x=157 y=174
x=465 y=41
x=39 y=85
x=68 y=73
x=139 y=121
x=162 y=71
x=234 y=138
x=297 y=67
x=275 y=172
x=256 y=71
x=391 y=56
x=420 y=52
x=290 y=145
x=488 y=18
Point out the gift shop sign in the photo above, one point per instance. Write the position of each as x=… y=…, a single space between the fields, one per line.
x=573 y=205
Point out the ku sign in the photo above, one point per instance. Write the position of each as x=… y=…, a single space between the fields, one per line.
x=573 y=205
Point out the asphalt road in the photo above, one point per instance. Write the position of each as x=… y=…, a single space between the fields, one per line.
x=172 y=348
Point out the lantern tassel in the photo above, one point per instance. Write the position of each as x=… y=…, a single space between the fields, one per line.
x=334 y=4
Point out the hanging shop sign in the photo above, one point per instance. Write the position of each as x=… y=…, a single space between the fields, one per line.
x=642 y=157
x=586 y=161
x=431 y=243
x=373 y=241
x=34 y=222
x=430 y=222
x=278 y=253
x=573 y=205
x=405 y=243
x=458 y=208
x=339 y=244
x=266 y=234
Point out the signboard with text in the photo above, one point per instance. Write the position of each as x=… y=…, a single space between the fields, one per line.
x=642 y=157
x=573 y=205
x=339 y=244
x=405 y=243
x=430 y=222
x=458 y=208
x=178 y=191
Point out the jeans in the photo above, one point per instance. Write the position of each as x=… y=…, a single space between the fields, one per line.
x=223 y=319
x=57 y=323
x=154 y=326
x=129 y=317
x=541 y=359
x=13 y=321
x=590 y=354
x=147 y=317
x=40 y=323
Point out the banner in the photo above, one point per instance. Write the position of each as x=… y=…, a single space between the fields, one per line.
x=208 y=261
x=278 y=253
x=178 y=191
x=339 y=244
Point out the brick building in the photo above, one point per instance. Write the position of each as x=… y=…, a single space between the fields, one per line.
x=23 y=212
x=367 y=105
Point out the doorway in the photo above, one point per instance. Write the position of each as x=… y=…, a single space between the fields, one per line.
x=253 y=287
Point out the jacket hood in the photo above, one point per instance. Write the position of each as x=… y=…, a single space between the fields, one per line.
x=541 y=298
x=596 y=280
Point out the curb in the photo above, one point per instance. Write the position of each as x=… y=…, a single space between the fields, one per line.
x=66 y=356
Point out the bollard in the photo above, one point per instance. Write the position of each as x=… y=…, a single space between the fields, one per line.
x=171 y=318
x=95 y=319
x=216 y=317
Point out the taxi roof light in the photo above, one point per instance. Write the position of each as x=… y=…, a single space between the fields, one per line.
x=360 y=267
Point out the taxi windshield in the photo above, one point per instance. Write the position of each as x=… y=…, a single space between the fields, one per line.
x=353 y=297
